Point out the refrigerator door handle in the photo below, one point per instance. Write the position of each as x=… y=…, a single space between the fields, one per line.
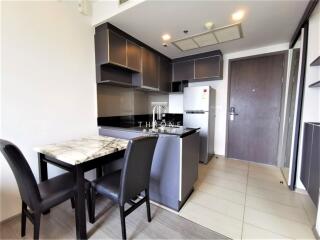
x=196 y=112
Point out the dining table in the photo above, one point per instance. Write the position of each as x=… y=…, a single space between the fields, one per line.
x=79 y=156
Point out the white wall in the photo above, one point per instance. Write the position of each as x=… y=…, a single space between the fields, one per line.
x=221 y=88
x=105 y=9
x=48 y=82
x=311 y=98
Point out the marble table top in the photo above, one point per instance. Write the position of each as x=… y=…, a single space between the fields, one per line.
x=84 y=149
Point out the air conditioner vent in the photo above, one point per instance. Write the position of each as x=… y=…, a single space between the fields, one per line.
x=212 y=37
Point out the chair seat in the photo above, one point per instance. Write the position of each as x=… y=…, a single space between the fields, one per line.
x=109 y=185
x=58 y=189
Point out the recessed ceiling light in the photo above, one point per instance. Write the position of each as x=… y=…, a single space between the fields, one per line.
x=208 y=25
x=238 y=15
x=166 y=37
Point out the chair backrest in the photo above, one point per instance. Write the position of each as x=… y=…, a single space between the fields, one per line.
x=135 y=174
x=27 y=184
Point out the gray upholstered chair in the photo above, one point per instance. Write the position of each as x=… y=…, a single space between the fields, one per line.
x=124 y=185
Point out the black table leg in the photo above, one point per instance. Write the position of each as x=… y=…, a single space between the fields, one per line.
x=99 y=172
x=80 y=210
x=43 y=172
x=43 y=168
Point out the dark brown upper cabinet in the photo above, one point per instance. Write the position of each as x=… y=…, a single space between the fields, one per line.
x=183 y=70
x=123 y=60
x=204 y=66
x=134 y=52
x=114 y=49
x=208 y=67
x=117 y=47
x=148 y=78
x=165 y=74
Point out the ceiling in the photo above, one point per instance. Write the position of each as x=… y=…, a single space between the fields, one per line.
x=264 y=23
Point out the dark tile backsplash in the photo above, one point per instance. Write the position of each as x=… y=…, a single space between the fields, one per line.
x=133 y=120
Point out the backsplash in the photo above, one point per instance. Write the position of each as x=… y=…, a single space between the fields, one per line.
x=119 y=101
x=135 y=120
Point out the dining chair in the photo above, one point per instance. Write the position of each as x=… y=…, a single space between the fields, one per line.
x=124 y=185
x=38 y=197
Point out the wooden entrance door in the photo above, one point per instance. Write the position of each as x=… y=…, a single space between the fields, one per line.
x=255 y=100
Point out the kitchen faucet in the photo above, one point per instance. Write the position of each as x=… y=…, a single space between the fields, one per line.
x=157 y=107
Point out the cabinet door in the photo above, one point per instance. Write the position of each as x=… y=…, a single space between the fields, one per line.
x=117 y=49
x=183 y=70
x=306 y=152
x=133 y=56
x=208 y=67
x=150 y=63
x=165 y=74
x=314 y=178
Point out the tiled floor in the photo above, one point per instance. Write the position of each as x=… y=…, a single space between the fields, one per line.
x=246 y=200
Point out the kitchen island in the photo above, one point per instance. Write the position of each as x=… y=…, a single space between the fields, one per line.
x=175 y=163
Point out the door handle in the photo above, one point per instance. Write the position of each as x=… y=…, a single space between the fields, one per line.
x=232 y=113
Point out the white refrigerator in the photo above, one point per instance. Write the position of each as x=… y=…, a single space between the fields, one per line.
x=199 y=112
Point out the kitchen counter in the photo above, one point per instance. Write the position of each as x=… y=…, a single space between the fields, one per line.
x=179 y=131
x=175 y=161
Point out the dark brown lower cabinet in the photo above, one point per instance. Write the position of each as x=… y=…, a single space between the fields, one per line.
x=310 y=164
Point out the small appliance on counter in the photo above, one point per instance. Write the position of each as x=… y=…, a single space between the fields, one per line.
x=199 y=112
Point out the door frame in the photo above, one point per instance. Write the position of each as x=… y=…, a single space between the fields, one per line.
x=285 y=54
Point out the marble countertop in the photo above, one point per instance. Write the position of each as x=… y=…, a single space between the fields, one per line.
x=84 y=149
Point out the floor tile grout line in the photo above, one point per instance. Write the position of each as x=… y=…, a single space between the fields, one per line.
x=224 y=199
x=216 y=212
x=245 y=201
x=223 y=178
x=306 y=212
x=275 y=202
x=228 y=188
x=280 y=234
x=251 y=195
x=219 y=197
x=272 y=191
x=246 y=195
x=278 y=216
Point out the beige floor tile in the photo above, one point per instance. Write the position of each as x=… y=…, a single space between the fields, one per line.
x=230 y=170
x=286 y=198
x=265 y=177
x=221 y=192
x=277 y=209
x=237 y=164
x=272 y=211
x=268 y=185
x=233 y=170
x=217 y=204
x=252 y=232
x=277 y=225
x=310 y=209
x=226 y=175
x=213 y=220
x=263 y=167
x=221 y=182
